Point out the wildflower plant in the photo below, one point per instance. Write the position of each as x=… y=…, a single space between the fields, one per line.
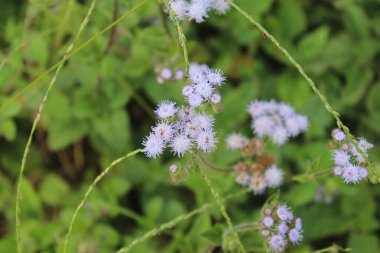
x=188 y=127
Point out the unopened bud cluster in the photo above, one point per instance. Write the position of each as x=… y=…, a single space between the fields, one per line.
x=279 y=227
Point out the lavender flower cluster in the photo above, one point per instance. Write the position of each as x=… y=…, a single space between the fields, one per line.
x=349 y=163
x=197 y=9
x=166 y=74
x=182 y=128
x=276 y=120
x=279 y=226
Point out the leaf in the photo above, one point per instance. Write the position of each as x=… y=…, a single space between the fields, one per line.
x=363 y=243
x=8 y=129
x=214 y=234
x=312 y=45
x=53 y=190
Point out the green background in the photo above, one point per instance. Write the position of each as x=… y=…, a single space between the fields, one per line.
x=101 y=108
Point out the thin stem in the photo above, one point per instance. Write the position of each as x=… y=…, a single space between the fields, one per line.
x=89 y=190
x=332 y=249
x=181 y=36
x=68 y=56
x=247 y=227
x=223 y=211
x=311 y=175
x=328 y=107
x=35 y=123
x=157 y=230
x=211 y=166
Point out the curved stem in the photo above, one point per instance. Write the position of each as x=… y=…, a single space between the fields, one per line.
x=68 y=56
x=157 y=230
x=309 y=176
x=181 y=36
x=223 y=211
x=327 y=105
x=210 y=166
x=89 y=190
x=36 y=121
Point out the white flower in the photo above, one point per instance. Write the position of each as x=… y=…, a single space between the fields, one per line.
x=204 y=89
x=206 y=141
x=236 y=141
x=215 y=76
x=220 y=6
x=180 y=8
x=180 y=144
x=154 y=146
x=163 y=131
x=273 y=176
x=195 y=100
x=215 y=98
x=166 y=109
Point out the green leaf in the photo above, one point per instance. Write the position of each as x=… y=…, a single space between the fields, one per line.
x=8 y=129
x=312 y=45
x=363 y=243
x=53 y=190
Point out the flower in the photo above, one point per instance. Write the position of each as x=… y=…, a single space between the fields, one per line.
x=284 y=213
x=173 y=168
x=187 y=90
x=166 y=73
x=257 y=184
x=197 y=10
x=273 y=176
x=179 y=74
x=341 y=157
x=298 y=224
x=180 y=144
x=166 y=109
x=180 y=8
x=277 y=243
x=215 y=76
x=195 y=100
x=183 y=128
x=351 y=174
x=295 y=236
x=206 y=141
x=154 y=146
x=236 y=141
x=163 y=131
x=348 y=161
x=276 y=120
x=338 y=135
x=220 y=6
x=204 y=89
x=215 y=98
x=268 y=221
x=282 y=228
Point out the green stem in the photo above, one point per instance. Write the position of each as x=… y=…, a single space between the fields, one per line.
x=211 y=166
x=157 y=230
x=332 y=249
x=35 y=123
x=328 y=107
x=68 y=56
x=181 y=36
x=223 y=211
x=89 y=190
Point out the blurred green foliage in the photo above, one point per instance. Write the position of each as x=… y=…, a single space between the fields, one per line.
x=101 y=109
